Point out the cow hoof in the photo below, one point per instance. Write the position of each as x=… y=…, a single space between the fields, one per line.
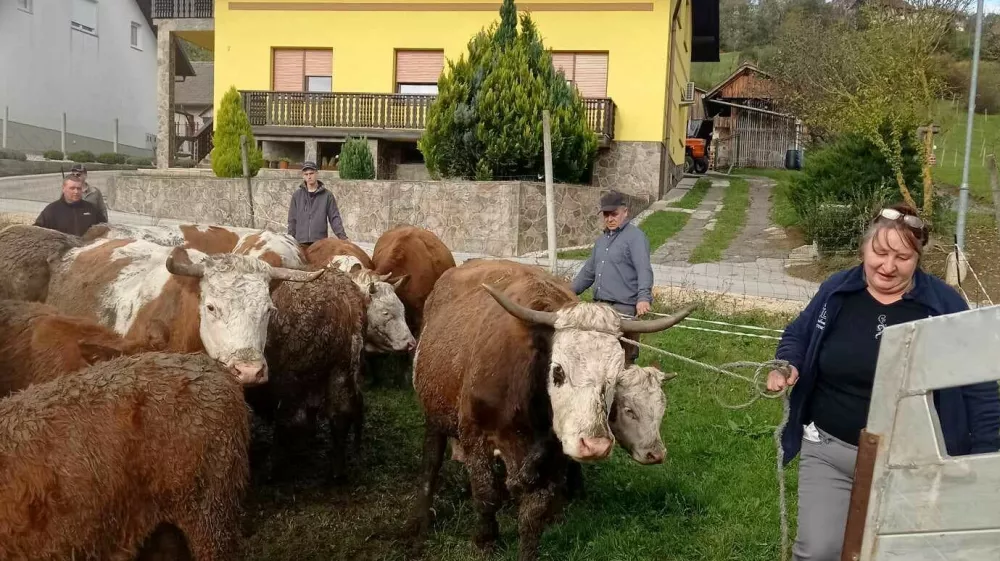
x=486 y=538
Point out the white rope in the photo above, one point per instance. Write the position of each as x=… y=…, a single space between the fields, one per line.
x=965 y=257
x=771 y=337
x=762 y=368
x=713 y=322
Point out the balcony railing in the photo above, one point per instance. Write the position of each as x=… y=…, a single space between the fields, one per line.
x=372 y=111
x=183 y=9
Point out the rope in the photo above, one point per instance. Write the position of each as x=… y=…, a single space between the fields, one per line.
x=713 y=322
x=770 y=337
x=965 y=256
x=762 y=368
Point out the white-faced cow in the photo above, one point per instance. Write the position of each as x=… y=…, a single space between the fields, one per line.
x=276 y=249
x=219 y=304
x=517 y=364
x=387 y=329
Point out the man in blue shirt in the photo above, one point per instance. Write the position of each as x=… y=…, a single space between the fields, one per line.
x=619 y=268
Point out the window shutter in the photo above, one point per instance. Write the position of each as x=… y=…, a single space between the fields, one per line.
x=289 y=68
x=419 y=67
x=319 y=62
x=592 y=74
x=564 y=62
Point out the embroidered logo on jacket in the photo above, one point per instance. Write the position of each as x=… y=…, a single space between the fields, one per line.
x=821 y=322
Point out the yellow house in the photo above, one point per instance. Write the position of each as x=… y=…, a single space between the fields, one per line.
x=313 y=72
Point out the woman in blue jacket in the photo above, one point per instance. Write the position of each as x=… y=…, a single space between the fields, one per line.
x=833 y=348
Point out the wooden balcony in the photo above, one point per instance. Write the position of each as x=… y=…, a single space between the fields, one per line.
x=390 y=116
x=179 y=9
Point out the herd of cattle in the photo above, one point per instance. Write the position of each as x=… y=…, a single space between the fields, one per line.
x=132 y=360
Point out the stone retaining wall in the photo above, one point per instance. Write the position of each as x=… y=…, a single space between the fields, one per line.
x=500 y=218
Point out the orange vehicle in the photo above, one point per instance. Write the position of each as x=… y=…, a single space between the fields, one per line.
x=696 y=145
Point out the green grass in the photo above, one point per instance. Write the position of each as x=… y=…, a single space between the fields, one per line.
x=950 y=151
x=694 y=196
x=729 y=221
x=714 y=499
x=782 y=212
x=580 y=254
x=659 y=227
x=707 y=75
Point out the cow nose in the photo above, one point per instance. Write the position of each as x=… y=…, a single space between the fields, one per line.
x=411 y=345
x=250 y=373
x=595 y=448
x=655 y=457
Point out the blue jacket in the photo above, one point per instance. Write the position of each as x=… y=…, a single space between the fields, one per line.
x=970 y=415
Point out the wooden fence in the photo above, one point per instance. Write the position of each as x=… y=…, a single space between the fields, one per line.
x=753 y=139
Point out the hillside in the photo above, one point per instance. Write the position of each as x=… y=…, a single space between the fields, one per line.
x=950 y=147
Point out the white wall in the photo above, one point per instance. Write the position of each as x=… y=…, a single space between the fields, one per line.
x=47 y=68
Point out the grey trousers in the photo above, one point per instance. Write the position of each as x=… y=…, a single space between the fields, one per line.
x=826 y=474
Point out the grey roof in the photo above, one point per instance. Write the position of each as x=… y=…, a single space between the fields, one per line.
x=197 y=89
x=182 y=66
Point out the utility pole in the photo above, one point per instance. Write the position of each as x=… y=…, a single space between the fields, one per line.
x=963 y=191
x=550 y=198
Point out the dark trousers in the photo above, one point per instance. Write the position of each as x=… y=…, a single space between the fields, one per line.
x=631 y=351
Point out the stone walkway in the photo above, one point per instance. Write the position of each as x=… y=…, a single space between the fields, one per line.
x=759 y=238
x=678 y=248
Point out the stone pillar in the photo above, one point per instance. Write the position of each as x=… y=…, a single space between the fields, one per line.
x=311 y=152
x=164 y=97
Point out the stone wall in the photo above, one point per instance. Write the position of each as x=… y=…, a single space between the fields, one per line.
x=632 y=168
x=500 y=218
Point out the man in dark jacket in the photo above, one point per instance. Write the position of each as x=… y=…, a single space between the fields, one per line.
x=71 y=214
x=312 y=207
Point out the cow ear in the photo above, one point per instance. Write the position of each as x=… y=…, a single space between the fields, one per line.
x=93 y=352
x=665 y=376
x=356 y=268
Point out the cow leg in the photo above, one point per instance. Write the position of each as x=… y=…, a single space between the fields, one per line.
x=534 y=513
x=487 y=486
x=433 y=457
x=574 y=480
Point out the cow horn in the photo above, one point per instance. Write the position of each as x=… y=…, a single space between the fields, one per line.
x=295 y=275
x=520 y=312
x=654 y=325
x=184 y=269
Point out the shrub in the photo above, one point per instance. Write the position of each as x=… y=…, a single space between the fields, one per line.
x=356 y=160
x=83 y=156
x=139 y=161
x=957 y=75
x=837 y=227
x=7 y=154
x=231 y=122
x=112 y=158
x=53 y=155
x=849 y=171
x=487 y=119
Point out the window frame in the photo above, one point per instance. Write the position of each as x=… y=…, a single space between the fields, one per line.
x=400 y=86
x=77 y=26
x=305 y=83
x=28 y=7
x=134 y=30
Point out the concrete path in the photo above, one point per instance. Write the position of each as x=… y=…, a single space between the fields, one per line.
x=759 y=238
x=45 y=187
x=678 y=248
x=29 y=210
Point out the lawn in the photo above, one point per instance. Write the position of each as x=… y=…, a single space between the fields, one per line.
x=782 y=212
x=729 y=222
x=714 y=499
x=950 y=150
x=693 y=197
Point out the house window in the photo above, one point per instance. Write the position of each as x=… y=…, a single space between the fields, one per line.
x=134 y=37
x=24 y=5
x=587 y=71
x=417 y=72
x=85 y=16
x=297 y=70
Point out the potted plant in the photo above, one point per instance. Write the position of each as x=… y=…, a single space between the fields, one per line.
x=283 y=163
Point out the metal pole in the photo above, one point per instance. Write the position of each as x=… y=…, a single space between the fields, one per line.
x=246 y=173
x=963 y=191
x=550 y=198
x=6 y=117
x=116 y=135
x=62 y=136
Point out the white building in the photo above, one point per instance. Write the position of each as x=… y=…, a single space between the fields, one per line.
x=92 y=60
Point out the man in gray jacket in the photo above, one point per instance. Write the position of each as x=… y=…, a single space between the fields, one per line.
x=311 y=208
x=91 y=194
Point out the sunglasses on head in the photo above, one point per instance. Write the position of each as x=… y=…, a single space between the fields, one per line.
x=910 y=220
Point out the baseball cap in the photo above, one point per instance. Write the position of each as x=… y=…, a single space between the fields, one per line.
x=309 y=165
x=78 y=168
x=611 y=201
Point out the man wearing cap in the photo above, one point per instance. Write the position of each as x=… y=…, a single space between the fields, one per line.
x=311 y=208
x=70 y=214
x=619 y=268
x=90 y=194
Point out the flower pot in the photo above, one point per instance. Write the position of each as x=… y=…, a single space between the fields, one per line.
x=282 y=165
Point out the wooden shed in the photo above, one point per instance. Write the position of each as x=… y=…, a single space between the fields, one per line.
x=748 y=130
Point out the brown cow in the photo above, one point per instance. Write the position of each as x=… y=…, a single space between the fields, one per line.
x=407 y=250
x=517 y=368
x=314 y=346
x=94 y=463
x=320 y=253
x=25 y=252
x=37 y=344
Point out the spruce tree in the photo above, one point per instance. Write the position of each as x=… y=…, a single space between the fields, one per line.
x=356 y=160
x=231 y=122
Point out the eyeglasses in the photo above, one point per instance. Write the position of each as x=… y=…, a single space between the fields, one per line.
x=910 y=220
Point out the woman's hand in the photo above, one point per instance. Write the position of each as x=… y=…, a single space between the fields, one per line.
x=776 y=380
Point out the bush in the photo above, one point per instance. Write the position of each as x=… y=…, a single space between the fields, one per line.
x=850 y=171
x=53 y=155
x=112 y=158
x=139 y=161
x=231 y=122
x=487 y=119
x=837 y=227
x=83 y=156
x=356 y=160
x=7 y=154
x=957 y=75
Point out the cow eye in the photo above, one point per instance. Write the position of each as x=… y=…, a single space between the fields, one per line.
x=558 y=375
x=211 y=308
x=631 y=414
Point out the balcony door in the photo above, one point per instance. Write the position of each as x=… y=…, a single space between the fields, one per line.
x=297 y=73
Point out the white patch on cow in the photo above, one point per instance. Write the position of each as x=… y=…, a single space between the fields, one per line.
x=387 y=328
x=344 y=263
x=587 y=360
x=283 y=245
x=139 y=282
x=204 y=228
x=161 y=235
x=640 y=404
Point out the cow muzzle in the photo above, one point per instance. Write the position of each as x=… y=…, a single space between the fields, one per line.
x=650 y=456
x=250 y=372
x=593 y=449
